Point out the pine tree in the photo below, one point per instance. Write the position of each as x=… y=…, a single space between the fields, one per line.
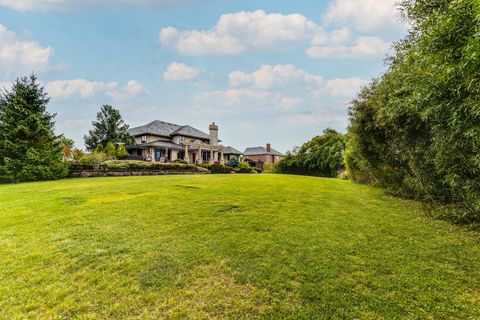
x=29 y=149
x=109 y=127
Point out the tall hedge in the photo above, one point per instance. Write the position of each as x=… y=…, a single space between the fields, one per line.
x=321 y=156
x=416 y=130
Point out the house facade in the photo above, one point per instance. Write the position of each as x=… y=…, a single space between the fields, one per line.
x=263 y=154
x=160 y=141
x=232 y=153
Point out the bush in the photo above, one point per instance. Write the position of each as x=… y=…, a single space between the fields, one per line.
x=130 y=165
x=257 y=170
x=180 y=161
x=244 y=167
x=94 y=158
x=218 y=168
x=121 y=151
x=110 y=149
x=321 y=156
x=268 y=167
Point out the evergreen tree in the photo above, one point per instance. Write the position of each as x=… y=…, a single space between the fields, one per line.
x=109 y=127
x=29 y=149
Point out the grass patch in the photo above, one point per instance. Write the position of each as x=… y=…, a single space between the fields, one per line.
x=229 y=246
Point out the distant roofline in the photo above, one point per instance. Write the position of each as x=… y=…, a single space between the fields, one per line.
x=144 y=130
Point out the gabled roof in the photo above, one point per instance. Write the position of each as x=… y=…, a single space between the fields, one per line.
x=190 y=132
x=231 y=150
x=261 y=151
x=156 y=127
x=165 y=129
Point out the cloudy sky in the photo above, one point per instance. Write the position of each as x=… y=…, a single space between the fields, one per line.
x=277 y=71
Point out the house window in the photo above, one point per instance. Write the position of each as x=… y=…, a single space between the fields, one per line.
x=144 y=139
x=181 y=139
x=181 y=154
x=206 y=156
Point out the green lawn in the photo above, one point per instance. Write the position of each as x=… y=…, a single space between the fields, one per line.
x=229 y=246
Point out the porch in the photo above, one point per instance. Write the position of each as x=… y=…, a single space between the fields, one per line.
x=165 y=151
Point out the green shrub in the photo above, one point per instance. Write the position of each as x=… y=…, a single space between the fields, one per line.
x=94 y=158
x=321 y=156
x=121 y=151
x=244 y=167
x=110 y=149
x=180 y=161
x=127 y=165
x=218 y=168
x=258 y=170
x=268 y=167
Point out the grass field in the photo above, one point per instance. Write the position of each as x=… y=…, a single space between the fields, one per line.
x=229 y=246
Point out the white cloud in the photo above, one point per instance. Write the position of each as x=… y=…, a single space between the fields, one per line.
x=18 y=56
x=237 y=96
x=323 y=116
x=347 y=87
x=336 y=37
x=364 y=15
x=131 y=90
x=234 y=33
x=71 y=5
x=235 y=101
x=287 y=103
x=77 y=88
x=180 y=72
x=81 y=88
x=362 y=47
x=268 y=76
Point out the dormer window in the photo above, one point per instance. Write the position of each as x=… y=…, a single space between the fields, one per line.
x=144 y=139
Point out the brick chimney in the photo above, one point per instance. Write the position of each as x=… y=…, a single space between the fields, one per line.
x=269 y=147
x=213 y=134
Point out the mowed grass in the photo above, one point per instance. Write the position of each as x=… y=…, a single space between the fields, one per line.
x=229 y=247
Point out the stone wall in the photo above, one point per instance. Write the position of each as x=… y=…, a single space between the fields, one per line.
x=84 y=171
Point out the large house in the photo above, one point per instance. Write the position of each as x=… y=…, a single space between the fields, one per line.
x=160 y=141
x=263 y=154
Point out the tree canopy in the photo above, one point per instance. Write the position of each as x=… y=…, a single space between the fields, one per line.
x=109 y=127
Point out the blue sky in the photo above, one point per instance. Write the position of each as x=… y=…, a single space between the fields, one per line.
x=265 y=71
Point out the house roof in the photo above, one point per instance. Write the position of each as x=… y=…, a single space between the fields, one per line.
x=166 y=129
x=160 y=144
x=261 y=151
x=191 y=132
x=231 y=150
